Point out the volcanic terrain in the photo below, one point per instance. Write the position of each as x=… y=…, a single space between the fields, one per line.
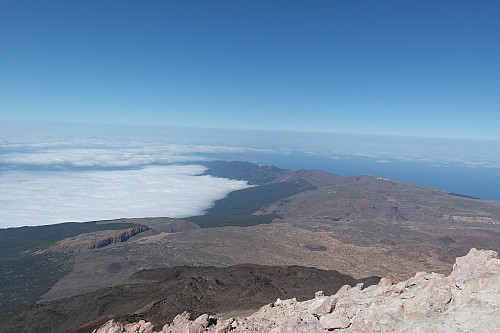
x=359 y=226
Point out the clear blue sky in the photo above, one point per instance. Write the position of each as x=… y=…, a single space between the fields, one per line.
x=424 y=68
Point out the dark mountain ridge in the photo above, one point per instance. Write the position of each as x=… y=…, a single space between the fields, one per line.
x=158 y=295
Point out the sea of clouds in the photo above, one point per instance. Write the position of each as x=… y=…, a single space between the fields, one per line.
x=54 y=181
x=48 y=178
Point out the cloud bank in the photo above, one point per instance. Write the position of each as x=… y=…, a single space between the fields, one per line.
x=46 y=197
x=45 y=181
x=106 y=154
x=51 y=180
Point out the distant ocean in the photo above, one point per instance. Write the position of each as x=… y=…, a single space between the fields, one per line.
x=111 y=172
x=482 y=182
x=463 y=166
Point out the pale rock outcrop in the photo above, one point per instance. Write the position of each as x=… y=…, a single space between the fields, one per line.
x=114 y=327
x=468 y=300
x=183 y=323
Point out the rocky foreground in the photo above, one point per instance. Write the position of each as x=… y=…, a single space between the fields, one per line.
x=468 y=300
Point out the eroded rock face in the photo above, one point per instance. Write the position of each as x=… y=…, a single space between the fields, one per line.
x=96 y=244
x=468 y=300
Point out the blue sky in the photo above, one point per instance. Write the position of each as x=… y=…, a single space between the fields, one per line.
x=418 y=68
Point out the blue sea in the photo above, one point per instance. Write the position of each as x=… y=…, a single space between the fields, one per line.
x=81 y=174
x=464 y=166
x=483 y=182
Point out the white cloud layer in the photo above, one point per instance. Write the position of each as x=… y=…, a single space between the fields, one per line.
x=54 y=180
x=108 y=154
x=47 y=180
x=439 y=160
x=46 y=197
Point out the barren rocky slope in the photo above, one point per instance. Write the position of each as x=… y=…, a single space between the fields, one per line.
x=360 y=226
x=468 y=300
x=160 y=294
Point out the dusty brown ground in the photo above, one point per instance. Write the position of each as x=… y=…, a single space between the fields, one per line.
x=159 y=295
x=360 y=226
